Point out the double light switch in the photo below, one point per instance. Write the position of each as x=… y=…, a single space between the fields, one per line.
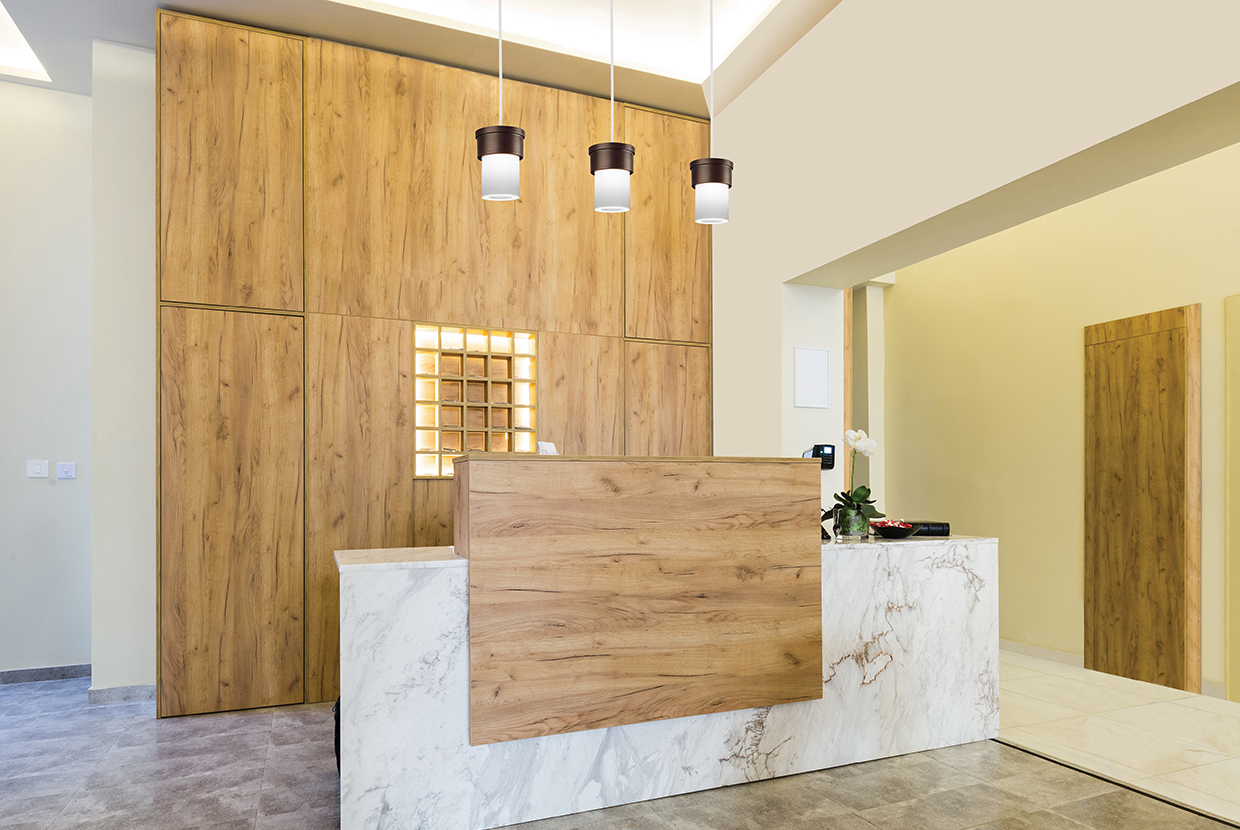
x=39 y=469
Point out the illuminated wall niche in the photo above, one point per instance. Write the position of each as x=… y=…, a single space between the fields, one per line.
x=474 y=391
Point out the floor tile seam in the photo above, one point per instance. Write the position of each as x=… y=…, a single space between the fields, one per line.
x=1191 y=786
x=1148 y=731
x=1140 y=774
x=1004 y=686
x=1131 y=786
x=1090 y=676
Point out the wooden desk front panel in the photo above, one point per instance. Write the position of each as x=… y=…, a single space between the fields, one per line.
x=607 y=592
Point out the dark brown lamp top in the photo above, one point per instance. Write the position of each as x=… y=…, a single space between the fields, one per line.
x=501 y=139
x=705 y=171
x=611 y=155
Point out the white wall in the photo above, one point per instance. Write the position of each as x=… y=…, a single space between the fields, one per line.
x=812 y=318
x=123 y=417
x=45 y=376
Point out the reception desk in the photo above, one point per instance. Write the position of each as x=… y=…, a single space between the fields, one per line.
x=907 y=660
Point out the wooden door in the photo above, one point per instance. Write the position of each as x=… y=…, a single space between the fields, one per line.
x=667 y=404
x=666 y=254
x=230 y=165
x=231 y=512
x=359 y=452
x=1143 y=497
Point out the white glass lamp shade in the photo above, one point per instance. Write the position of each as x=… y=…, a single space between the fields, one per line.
x=710 y=203
x=611 y=191
x=501 y=177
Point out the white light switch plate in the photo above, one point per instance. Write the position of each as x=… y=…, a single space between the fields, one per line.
x=36 y=469
x=66 y=469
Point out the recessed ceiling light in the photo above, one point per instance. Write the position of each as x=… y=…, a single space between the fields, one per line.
x=665 y=38
x=16 y=57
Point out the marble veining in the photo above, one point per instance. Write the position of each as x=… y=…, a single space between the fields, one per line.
x=910 y=656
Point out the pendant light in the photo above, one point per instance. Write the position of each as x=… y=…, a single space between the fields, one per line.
x=501 y=148
x=611 y=163
x=712 y=177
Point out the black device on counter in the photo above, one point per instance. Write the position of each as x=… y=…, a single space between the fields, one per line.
x=824 y=451
x=932 y=528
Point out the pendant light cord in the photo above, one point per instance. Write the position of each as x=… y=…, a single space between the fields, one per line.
x=712 y=78
x=501 y=62
x=612 y=30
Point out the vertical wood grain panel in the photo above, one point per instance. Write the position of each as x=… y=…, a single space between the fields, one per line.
x=1143 y=498
x=359 y=453
x=667 y=400
x=613 y=591
x=432 y=512
x=581 y=393
x=395 y=223
x=231 y=511
x=230 y=165
x=667 y=255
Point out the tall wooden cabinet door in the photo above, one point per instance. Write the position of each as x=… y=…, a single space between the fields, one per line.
x=359 y=455
x=581 y=393
x=231 y=511
x=1143 y=498
x=666 y=254
x=396 y=226
x=230 y=165
x=667 y=400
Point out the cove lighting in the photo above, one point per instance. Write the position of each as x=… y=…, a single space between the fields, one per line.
x=17 y=59
x=667 y=39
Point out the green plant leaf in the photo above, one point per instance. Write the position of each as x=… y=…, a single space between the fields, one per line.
x=861 y=493
x=870 y=512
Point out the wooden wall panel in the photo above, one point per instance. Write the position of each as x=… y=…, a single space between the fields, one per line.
x=612 y=591
x=231 y=512
x=230 y=165
x=581 y=393
x=667 y=255
x=359 y=455
x=432 y=512
x=667 y=400
x=1143 y=498
x=395 y=223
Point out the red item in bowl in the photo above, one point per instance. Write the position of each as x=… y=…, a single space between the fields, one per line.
x=890 y=523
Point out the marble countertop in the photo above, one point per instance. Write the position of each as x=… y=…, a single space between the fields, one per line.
x=398 y=559
x=445 y=557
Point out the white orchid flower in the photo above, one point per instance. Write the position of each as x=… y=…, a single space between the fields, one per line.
x=868 y=447
x=861 y=436
x=850 y=438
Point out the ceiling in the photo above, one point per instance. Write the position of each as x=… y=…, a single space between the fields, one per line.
x=661 y=45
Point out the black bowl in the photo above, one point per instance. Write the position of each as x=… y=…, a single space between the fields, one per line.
x=894 y=532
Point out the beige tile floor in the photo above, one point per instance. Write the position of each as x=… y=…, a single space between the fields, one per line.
x=1178 y=746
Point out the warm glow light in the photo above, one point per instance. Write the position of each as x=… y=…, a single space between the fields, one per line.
x=656 y=36
x=710 y=203
x=501 y=177
x=611 y=191
x=16 y=57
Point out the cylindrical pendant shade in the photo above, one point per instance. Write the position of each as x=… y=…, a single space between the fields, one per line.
x=501 y=149
x=501 y=177
x=611 y=191
x=611 y=163
x=712 y=178
x=710 y=203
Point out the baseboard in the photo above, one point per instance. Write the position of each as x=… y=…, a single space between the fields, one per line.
x=1050 y=654
x=122 y=694
x=1211 y=689
x=45 y=673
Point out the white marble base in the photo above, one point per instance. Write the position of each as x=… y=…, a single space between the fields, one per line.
x=910 y=658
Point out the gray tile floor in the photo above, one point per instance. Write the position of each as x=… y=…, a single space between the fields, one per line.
x=64 y=763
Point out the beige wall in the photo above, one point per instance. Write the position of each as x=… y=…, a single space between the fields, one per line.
x=123 y=419
x=889 y=112
x=45 y=381
x=985 y=383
